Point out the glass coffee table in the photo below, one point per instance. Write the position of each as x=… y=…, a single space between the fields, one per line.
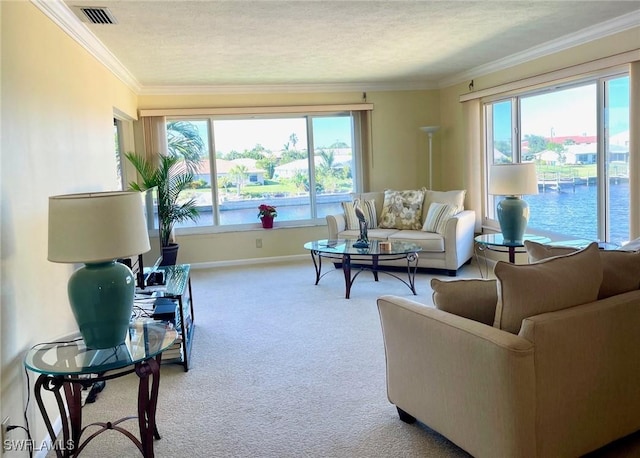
x=343 y=251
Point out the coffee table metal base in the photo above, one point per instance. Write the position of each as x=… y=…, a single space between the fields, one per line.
x=345 y=259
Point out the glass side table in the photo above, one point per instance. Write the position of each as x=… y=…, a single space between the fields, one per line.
x=67 y=364
x=178 y=287
x=495 y=242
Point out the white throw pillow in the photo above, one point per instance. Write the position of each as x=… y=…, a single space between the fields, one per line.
x=455 y=198
x=437 y=217
x=633 y=245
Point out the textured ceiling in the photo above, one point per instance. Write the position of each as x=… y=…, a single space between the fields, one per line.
x=217 y=43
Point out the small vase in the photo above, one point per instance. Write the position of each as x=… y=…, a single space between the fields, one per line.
x=267 y=222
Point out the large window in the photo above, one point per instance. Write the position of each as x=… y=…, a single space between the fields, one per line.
x=578 y=136
x=305 y=165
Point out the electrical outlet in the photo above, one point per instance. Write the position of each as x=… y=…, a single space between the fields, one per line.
x=258 y=243
x=5 y=425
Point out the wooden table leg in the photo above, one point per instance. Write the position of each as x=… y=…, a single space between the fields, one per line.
x=149 y=374
x=346 y=269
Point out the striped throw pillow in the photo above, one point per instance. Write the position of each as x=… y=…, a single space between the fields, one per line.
x=350 y=216
x=368 y=207
x=437 y=217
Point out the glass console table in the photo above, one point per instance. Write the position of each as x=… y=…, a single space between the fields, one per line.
x=178 y=287
x=175 y=295
x=67 y=366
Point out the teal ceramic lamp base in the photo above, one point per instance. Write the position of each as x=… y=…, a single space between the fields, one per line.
x=101 y=297
x=513 y=215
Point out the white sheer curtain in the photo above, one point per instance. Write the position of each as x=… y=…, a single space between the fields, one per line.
x=155 y=136
x=473 y=153
x=362 y=134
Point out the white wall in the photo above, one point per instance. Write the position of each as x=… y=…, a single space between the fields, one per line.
x=57 y=138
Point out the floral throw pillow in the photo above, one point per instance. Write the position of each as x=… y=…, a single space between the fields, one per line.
x=402 y=210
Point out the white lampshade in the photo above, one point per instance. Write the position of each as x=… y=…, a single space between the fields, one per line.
x=96 y=227
x=513 y=179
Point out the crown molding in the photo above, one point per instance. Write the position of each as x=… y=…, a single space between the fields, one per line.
x=595 y=32
x=61 y=15
x=280 y=88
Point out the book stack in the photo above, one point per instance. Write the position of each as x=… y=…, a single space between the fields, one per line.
x=174 y=351
x=165 y=309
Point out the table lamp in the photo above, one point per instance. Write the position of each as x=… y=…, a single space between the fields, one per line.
x=96 y=229
x=513 y=181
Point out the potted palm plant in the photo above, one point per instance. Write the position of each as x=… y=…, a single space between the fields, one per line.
x=171 y=176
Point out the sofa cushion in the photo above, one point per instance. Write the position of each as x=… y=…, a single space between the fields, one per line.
x=546 y=286
x=620 y=272
x=402 y=209
x=620 y=269
x=474 y=299
x=454 y=198
x=538 y=251
x=428 y=241
x=437 y=217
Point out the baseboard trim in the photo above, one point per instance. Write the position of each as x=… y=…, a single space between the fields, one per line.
x=250 y=261
x=43 y=448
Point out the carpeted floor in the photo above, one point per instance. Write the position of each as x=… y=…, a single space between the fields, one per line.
x=280 y=368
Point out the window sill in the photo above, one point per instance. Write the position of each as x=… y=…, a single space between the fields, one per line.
x=186 y=231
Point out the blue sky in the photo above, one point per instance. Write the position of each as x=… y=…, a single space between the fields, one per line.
x=566 y=112
x=273 y=134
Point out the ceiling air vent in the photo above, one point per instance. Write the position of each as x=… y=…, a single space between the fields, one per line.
x=95 y=15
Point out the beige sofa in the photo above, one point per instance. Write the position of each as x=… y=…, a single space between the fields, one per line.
x=447 y=251
x=557 y=375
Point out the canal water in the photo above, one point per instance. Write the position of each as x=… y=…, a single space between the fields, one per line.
x=570 y=210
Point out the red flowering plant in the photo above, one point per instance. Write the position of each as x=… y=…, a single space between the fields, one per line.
x=267 y=210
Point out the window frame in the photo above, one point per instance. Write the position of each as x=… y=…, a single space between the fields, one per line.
x=600 y=79
x=248 y=114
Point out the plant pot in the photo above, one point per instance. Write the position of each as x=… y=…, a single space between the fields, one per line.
x=170 y=254
x=267 y=222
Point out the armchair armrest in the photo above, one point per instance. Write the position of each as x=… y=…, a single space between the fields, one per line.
x=336 y=223
x=470 y=382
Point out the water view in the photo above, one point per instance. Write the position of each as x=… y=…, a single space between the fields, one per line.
x=570 y=210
